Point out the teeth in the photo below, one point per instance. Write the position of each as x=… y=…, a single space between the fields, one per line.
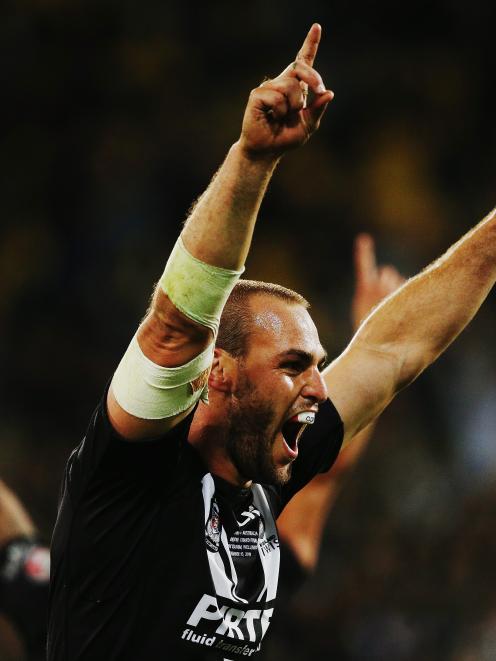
x=307 y=417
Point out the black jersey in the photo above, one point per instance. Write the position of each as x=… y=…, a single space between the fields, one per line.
x=24 y=576
x=293 y=576
x=154 y=558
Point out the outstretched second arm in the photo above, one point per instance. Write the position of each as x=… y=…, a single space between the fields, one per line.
x=412 y=327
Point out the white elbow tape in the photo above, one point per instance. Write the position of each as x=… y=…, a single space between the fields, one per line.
x=198 y=290
x=151 y=392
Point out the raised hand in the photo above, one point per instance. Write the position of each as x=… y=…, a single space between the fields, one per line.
x=277 y=117
x=372 y=282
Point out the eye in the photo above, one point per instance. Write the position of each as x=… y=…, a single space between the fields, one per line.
x=293 y=366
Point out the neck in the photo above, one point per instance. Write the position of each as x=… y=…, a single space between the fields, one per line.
x=207 y=436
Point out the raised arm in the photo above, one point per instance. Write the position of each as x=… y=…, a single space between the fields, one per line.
x=303 y=520
x=412 y=327
x=165 y=369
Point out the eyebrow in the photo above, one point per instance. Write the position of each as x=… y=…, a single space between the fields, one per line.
x=304 y=356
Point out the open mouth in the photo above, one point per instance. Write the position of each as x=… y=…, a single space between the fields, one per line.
x=291 y=432
x=293 y=428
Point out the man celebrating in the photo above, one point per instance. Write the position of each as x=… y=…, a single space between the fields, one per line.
x=165 y=544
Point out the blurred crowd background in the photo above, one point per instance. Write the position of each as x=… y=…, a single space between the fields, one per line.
x=116 y=114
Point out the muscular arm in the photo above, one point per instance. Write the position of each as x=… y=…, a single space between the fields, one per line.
x=412 y=327
x=220 y=228
x=218 y=232
x=301 y=524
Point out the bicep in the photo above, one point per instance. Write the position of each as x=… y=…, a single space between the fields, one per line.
x=361 y=382
x=162 y=374
x=168 y=337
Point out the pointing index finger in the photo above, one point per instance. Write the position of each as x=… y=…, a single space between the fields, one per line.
x=310 y=46
x=364 y=258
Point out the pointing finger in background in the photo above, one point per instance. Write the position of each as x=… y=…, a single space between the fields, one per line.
x=364 y=258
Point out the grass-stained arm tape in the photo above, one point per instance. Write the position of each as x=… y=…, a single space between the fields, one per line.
x=151 y=392
x=198 y=290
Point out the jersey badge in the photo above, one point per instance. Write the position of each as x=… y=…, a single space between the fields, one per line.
x=213 y=528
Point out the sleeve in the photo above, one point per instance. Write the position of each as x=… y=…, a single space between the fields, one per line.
x=318 y=449
x=113 y=493
x=293 y=574
x=102 y=453
x=24 y=580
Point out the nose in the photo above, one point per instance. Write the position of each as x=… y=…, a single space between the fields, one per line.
x=315 y=387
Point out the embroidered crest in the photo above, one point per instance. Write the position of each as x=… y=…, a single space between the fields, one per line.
x=213 y=528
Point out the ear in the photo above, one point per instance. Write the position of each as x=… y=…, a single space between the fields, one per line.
x=224 y=371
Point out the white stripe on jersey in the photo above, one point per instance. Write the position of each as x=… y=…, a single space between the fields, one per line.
x=224 y=586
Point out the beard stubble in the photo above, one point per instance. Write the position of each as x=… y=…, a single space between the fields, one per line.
x=250 y=435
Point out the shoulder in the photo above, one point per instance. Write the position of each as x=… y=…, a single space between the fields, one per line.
x=320 y=443
x=319 y=447
x=103 y=454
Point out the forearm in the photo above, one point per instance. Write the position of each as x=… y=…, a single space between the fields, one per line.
x=415 y=324
x=220 y=227
x=218 y=232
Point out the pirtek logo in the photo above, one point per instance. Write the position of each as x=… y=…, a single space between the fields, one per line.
x=268 y=545
x=236 y=623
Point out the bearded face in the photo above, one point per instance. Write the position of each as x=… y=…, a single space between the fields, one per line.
x=250 y=434
x=253 y=429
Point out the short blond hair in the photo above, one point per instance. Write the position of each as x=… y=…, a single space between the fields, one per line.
x=236 y=319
